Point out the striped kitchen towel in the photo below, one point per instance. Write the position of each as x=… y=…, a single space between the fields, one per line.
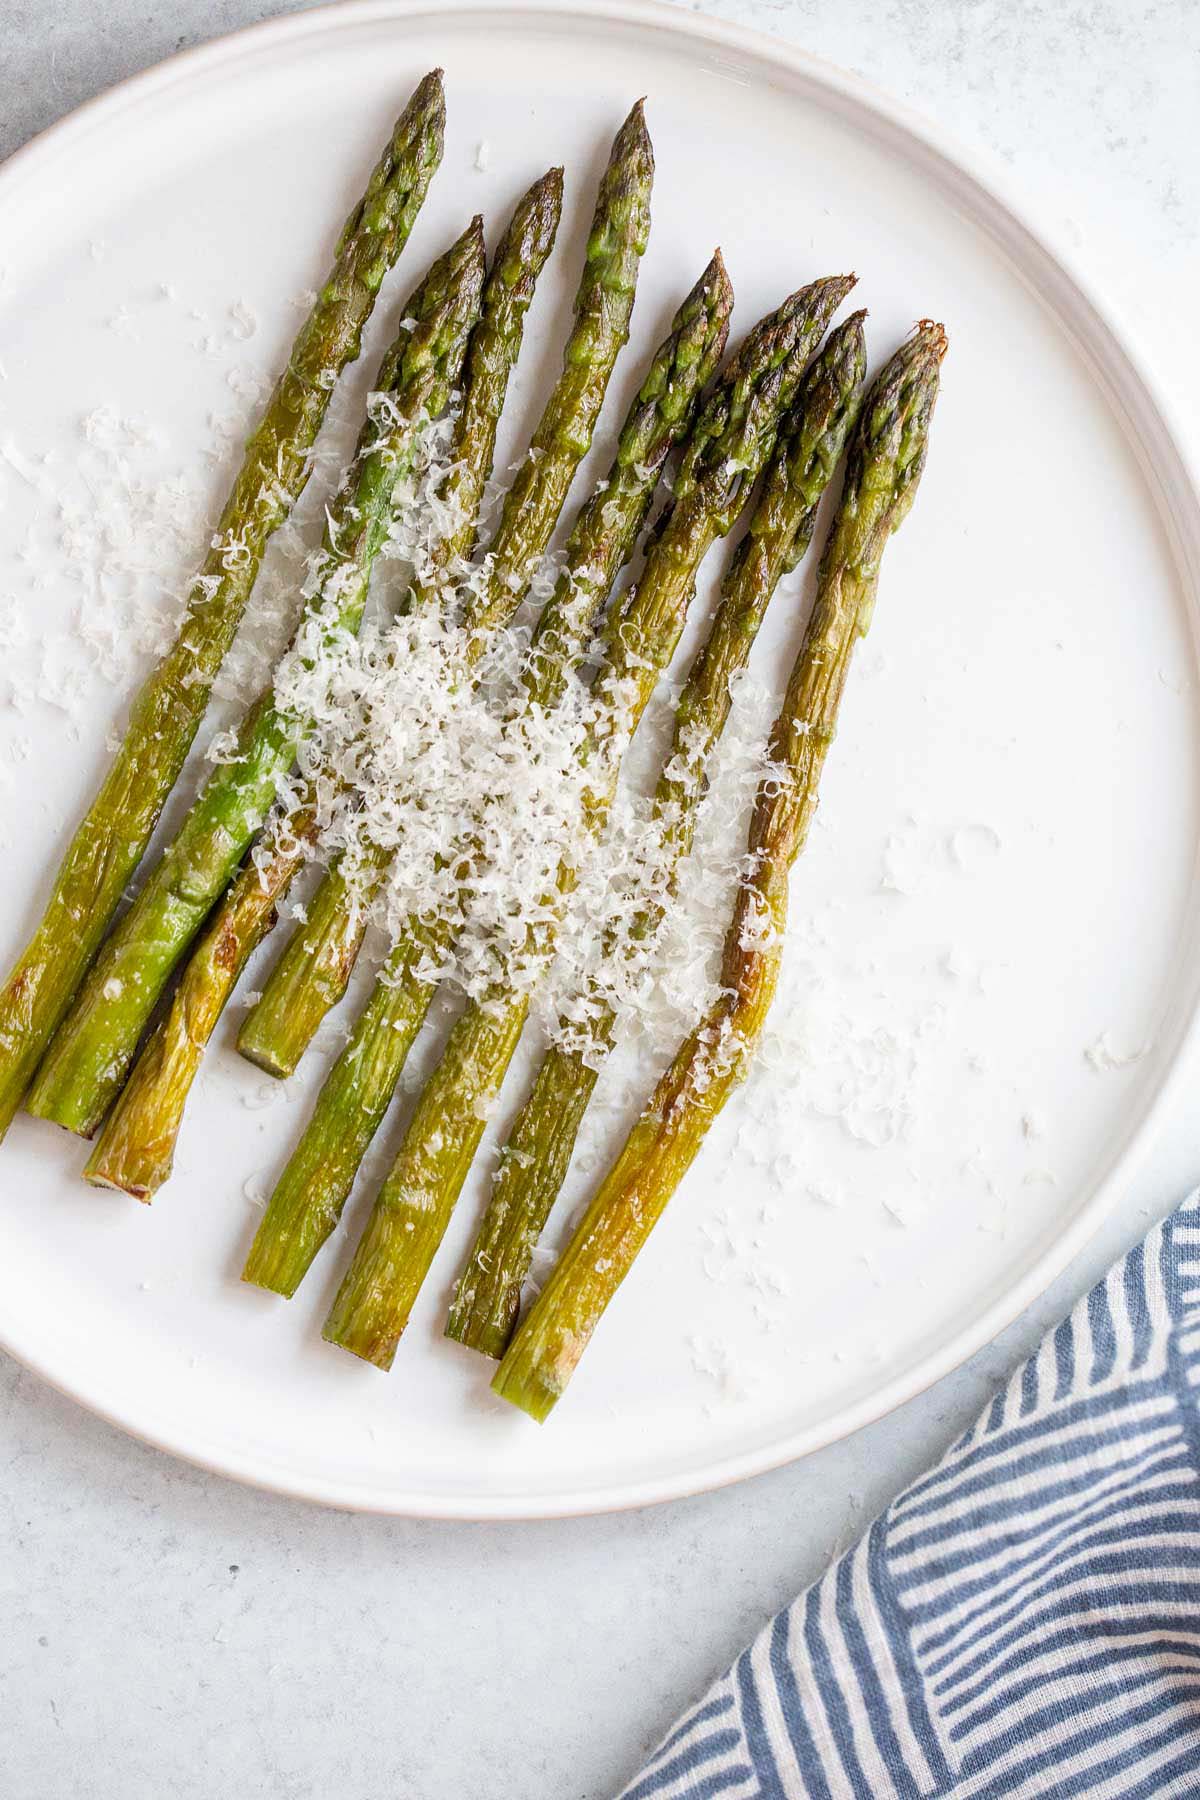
x=1024 y=1621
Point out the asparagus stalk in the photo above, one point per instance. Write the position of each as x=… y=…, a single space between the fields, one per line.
x=135 y=1151
x=136 y=1148
x=308 y=1200
x=112 y=838
x=86 y=1064
x=316 y=965
x=735 y=436
x=537 y=1154
x=887 y=457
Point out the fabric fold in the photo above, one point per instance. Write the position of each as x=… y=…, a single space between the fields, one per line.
x=1023 y=1622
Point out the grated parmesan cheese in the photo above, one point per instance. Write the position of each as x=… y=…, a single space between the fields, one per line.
x=1103 y=1055
x=483 y=799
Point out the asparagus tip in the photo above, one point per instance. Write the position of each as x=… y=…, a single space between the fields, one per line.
x=430 y=88
x=837 y=286
x=266 y=1281
x=544 y=197
x=547 y=186
x=714 y=288
x=635 y=126
x=935 y=335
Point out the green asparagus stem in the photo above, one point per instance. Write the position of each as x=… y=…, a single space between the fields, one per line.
x=308 y=1201
x=136 y=1148
x=86 y=1064
x=537 y=1154
x=734 y=437
x=112 y=838
x=135 y=1151
x=316 y=965
x=887 y=457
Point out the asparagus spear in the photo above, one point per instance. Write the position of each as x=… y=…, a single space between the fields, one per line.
x=537 y=1154
x=86 y=1064
x=735 y=436
x=308 y=1201
x=112 y=838
x=886 y=460
x=317 y=963
x=136 y=1148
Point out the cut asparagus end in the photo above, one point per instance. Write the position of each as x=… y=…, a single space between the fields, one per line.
x=126 y=1185
x=278 y=1266
x=272 y=1058
x=369 y=1314
x=533 y=1384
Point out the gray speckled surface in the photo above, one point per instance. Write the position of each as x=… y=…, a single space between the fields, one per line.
x=170 y=1634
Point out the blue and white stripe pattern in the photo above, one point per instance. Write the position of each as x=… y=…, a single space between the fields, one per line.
x=1024 y=1622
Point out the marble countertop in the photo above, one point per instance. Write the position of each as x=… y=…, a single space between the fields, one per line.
x=169 y=1633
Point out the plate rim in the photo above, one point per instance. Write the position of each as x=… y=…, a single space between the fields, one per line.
x=1155 y=432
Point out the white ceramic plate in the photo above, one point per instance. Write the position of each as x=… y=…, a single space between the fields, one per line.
x=1004 y=879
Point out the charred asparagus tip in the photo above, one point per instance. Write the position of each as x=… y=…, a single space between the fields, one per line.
x=716 y=275
x=938 y=341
